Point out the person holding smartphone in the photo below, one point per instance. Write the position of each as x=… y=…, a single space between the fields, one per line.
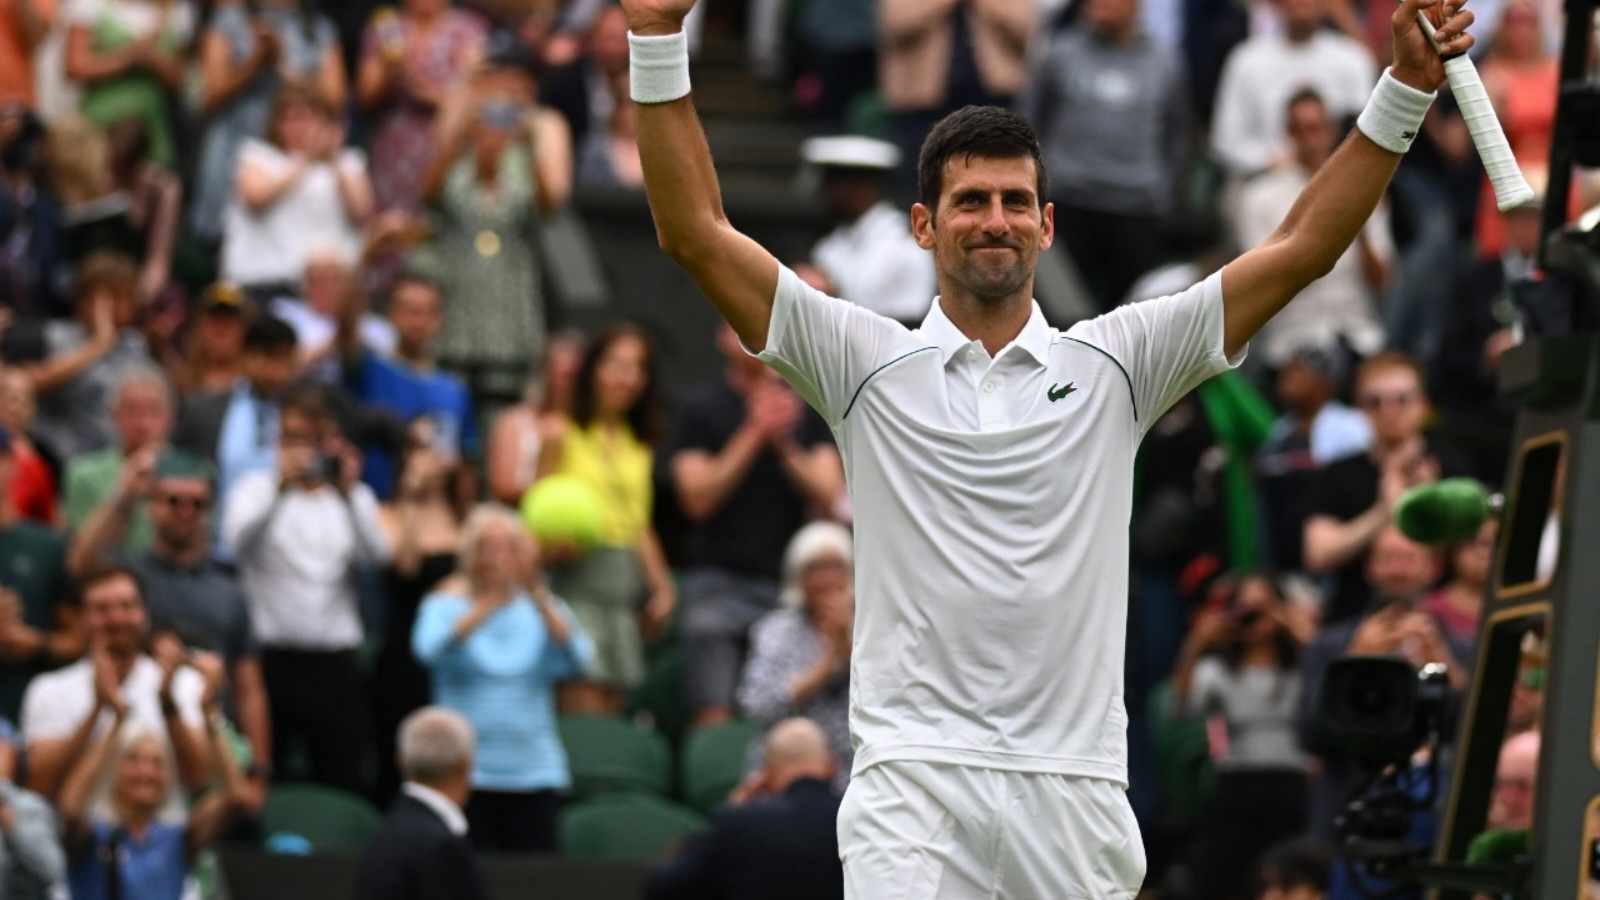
x=299 y=530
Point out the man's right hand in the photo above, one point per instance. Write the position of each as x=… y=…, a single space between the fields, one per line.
x=107 y=690
x=138 y=474
x=656 y=17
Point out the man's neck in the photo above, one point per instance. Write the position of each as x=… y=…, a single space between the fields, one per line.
x=1117 y=35
x=416 y=357
x=179 y=557
x=123 y=664
x=993 y=323
x=1300 y=34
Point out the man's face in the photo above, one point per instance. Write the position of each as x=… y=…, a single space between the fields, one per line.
x=178 y=511
x=1515 y=780
x=1394 y=403
x=327 y=286
x=1301 y=388
x=270 y=372
x=1400 y=569
x=113 y=612
x=1111 y=16
x=300 y=438
x=1311 y=133
x=414 y=310
x=989 y=229
x=141 y=415
x=221 y=334
x=609 y=40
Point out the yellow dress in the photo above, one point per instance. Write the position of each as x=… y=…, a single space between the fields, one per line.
x=606 y=587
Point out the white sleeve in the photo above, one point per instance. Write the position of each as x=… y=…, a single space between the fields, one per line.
x=1236 y=139
x=246 y=507
x=83 y=12
x=188 y=690
x=824 y=347
x=372 y=542
x=1166 y=347
x=1207 y=687
x=47 y=712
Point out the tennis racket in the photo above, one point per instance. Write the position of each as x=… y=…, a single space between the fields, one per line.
x=1510 y=187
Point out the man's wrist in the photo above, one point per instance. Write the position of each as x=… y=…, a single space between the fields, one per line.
x=1412 y=79
x=648 y=27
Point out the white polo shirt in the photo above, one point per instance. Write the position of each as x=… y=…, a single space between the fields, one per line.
x=992 y=501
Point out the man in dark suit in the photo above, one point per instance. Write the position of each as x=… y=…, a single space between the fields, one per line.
x=422 y=851
x=776 y=839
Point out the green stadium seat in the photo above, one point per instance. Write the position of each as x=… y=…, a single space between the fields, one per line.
x=611 y=755
x=714 y=761
x=625 y=828
x=661 y=697
x=332 y=820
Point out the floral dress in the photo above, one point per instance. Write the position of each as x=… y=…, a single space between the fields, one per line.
x=402 y=144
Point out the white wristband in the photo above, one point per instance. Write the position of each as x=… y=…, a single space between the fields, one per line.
x=658 y=67
x=1394 y=114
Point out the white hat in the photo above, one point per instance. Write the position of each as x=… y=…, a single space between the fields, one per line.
x=851 y=152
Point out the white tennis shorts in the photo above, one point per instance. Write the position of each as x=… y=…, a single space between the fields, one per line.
x=932 y=831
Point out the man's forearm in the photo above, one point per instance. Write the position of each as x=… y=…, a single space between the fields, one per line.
x=250 y=698
x=189 y=750
x=1329 y=544
x=48 y=766
x=106 y=528
x=816 y=473
x=704 y=481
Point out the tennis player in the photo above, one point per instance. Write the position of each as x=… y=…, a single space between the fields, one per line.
x=990 y=463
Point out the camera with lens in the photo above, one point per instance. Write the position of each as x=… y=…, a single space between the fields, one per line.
x=1378 y=711
x=329 y=468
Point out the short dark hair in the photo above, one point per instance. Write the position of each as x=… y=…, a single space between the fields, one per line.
x=413 y=277
x=310 y=400
x=1305 y=95
x=269 y=336
x=102 y=573
x=985 y=131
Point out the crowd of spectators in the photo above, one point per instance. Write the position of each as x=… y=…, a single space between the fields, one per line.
x=277 y=366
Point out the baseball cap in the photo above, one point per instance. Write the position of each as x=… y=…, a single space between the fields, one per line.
x=223 y=297
x=178 y=464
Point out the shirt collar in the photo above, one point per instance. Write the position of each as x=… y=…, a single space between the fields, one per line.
x=441 y=805
x=1035 y=337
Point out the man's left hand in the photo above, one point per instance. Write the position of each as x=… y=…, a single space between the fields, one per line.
x=1416 y=62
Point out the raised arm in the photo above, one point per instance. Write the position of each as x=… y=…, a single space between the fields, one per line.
x=1337 y=203
x=734 y=271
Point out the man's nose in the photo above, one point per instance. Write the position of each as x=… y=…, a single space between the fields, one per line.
x=994 y=220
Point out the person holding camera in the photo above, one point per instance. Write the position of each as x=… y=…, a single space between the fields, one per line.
x=503 y=164
x=1239 y=669
x=298 y=531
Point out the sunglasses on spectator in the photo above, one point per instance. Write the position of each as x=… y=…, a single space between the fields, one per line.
x=178 y=501
x=1374 y=401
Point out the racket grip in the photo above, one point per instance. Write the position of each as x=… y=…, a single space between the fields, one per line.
x=1511 y=189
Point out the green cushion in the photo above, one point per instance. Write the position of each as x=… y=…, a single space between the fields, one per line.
x=609 y=755
x=332 y=820
x=661 y=697
x=625 y=828
x=714 y=761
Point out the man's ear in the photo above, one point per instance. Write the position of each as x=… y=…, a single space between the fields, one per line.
x=922 y=225
x=1047 y=230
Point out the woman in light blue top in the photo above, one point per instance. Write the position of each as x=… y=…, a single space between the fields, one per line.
x=497 y=642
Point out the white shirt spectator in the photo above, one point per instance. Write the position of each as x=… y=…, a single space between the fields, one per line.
x=273 y=245
x=1264 y=72
x=875 y=262
x=57 y=703
x=1339 y=305
x=315 y=331
x=296 y=549
x=140 y=20
x=1259 y=705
